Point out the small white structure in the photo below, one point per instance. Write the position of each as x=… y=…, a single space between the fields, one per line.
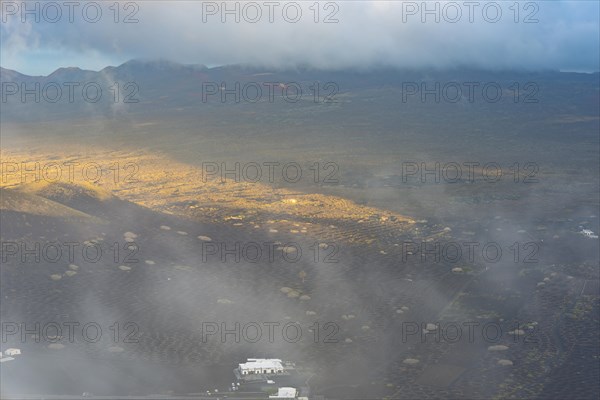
x=589 y=233
x=4 y=359
x=264 y=366
x=12 y=352
x=285 y=393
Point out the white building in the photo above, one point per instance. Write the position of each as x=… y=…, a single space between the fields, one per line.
x=264 y=366
x=285 y=393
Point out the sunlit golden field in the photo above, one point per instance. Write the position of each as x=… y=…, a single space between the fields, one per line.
x=155 y=181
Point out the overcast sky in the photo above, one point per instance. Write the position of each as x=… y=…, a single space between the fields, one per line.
x=535 y=35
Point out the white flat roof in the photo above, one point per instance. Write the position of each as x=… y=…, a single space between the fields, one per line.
x=285 y=393
x=262 y=363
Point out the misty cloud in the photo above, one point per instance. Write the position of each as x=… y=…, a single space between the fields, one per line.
x=368 y=33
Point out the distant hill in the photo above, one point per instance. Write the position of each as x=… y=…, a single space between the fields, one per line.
x=164 y=87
